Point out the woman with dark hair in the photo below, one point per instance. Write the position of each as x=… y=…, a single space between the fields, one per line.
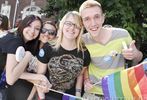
x=3 y=23
x=27 y=38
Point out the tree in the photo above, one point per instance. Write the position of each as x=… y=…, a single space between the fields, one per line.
x=128 y=14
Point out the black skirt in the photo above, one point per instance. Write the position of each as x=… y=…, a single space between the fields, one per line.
x=20 y=90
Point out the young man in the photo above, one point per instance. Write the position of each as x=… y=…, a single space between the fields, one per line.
x=105 y=47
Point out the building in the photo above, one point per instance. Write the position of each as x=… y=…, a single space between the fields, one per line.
x=15 y=9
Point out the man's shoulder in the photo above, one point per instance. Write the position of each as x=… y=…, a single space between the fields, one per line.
x=86 y=37
x=119 y=30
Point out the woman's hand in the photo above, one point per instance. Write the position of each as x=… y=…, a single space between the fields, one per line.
x=43 y=84
x=87 y=85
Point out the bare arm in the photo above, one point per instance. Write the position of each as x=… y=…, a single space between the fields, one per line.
x=79 y=83
x=14 y=69
x=87 y=83
x=41 y=70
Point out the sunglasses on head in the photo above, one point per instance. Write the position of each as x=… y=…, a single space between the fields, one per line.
x=49 y=31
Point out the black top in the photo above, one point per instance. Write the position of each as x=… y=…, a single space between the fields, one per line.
x=64 y=66
x=8 y=44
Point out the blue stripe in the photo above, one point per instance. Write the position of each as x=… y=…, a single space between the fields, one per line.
x=111 y=87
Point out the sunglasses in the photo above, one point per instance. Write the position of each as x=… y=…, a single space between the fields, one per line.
x=49 y=31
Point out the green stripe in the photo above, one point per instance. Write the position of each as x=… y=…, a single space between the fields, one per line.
x=118 y=86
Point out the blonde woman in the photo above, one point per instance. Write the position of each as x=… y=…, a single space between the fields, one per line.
x=66 y=60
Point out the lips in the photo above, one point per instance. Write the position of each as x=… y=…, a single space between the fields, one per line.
x=94 y=29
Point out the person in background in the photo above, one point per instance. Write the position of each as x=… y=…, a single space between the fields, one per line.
x=3 y=32
x=27 y=37
x=17 y=22
x=105 y=46
x=4 y=24
x=14 y=29
x=67 y=59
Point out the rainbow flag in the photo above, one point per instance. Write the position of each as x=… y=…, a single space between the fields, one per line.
x=128 y=84
x=70 y=97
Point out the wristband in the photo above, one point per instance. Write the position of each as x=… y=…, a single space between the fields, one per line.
x=78 y=90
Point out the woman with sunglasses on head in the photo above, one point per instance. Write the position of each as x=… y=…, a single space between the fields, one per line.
x=27 y=37
x=67 y=59
x=49 y=32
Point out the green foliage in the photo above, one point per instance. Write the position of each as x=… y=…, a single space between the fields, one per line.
x=128 y=14
x=58 y=8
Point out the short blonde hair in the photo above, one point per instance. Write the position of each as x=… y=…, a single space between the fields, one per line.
x=78 y=22
x=88 y=4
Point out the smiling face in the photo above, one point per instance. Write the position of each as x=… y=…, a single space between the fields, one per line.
x=93 y=19
x=48 y=33
x=70 y=28
x=32 y=31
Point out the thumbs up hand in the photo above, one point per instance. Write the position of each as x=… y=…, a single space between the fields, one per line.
x=131 y=52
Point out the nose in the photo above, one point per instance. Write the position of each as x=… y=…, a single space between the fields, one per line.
x=93 y=22
x=32 y=30
x=46 y=33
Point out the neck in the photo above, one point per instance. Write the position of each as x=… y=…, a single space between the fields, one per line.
x=68 y=45
x=103 y=36
x=41 y=44
x=98 y=37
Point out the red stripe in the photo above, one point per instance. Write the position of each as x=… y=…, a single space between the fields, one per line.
x=143 y=87
x=139 y=72
x=132 y=82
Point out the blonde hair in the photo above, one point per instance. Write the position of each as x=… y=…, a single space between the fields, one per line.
x=88 y=4
x=78 y=22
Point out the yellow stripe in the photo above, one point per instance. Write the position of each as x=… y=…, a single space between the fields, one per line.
x=137 y=89
x=125 y=86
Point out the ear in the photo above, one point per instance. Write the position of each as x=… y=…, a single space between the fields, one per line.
x=103 y=18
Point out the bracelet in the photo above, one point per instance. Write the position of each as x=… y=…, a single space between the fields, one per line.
x=78 y=90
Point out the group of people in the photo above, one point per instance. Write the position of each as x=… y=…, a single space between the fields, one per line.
x=66 y=62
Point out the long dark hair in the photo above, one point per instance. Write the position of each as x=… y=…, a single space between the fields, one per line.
x=32 y=45
x=4 y=22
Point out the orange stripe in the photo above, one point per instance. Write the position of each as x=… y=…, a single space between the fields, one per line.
x=135 y=74
x=132 y=82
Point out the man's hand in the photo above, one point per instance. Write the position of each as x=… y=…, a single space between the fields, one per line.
x=131 y=52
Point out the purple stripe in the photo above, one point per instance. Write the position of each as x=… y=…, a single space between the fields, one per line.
x=65 y=97
x=105 y=87
x=72 y=98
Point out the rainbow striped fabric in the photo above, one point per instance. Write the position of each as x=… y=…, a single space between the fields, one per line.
x=128 y=84
x=70 y=97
